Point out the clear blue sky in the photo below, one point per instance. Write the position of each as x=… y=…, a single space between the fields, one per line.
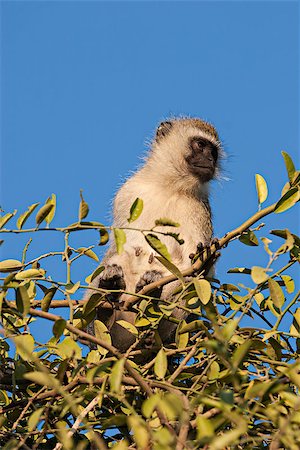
x=84 y=84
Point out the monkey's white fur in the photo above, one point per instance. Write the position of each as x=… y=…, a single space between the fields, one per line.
x=168 y=190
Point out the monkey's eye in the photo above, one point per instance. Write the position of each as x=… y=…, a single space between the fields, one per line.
x=198 y=144
x=163 y=129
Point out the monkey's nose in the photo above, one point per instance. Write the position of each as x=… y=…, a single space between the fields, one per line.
x=208 y=153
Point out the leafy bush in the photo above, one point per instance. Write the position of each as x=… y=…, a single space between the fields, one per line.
x=220 y=384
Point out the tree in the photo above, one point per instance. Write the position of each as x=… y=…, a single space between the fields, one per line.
x=220 y=384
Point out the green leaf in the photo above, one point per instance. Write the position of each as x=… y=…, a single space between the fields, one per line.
x=91 y=304
x=121 y=445
x=240 y=353
x=23 y=300
x=34 y=419
x=164 y=438
x=87 y=252
x=171 y=405
x=83 y=208
x=4 y=400
x=140 y=432
x=29 y=273
x=93 y=357
x=261 y=188
x=171 y=267
x=276 y=293
x=288 y=200
x=283 y=234
x=24 y=346
x=181 y=339
x=153 y=313
x=257 y=389
x=193 y=302
x=96 y=272
x=128 y=326
x=104 y=236
x=43 y=213
x=236 y=301
x=48 y=296
x=259 y=298
x=120 y=239
x=136 y=210
x=81 y=322
x=2 y=299
x=164 y=222
x=142 y=322
x=266 y=243
x=83 y=225
x=213 y=371
x=296 y=178
x=72 y=288
x=259 y=274
x=229 y=329
x=289 y=165
x=289 y=283
x=227 y=287
x=249 y=238
x=150 y=404
x=205 y=427
x=66 y=441
x=42 y=378
x=68 y=348
x=295 y=328
x=285 y=188
x=116 y=375
x=243 y=270
x=59 y=327
x=6 y=218
x=271 y=306
x=220 y=442
x=23 y=217
x=161 y=364
x=10 y=265
x=51 y=201
x=203 y=289
x=191 y=326
x=176 y=237
x=158 y=246
x=288 y=245
x=102 y=333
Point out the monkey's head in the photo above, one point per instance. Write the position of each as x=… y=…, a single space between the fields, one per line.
x=189 y=147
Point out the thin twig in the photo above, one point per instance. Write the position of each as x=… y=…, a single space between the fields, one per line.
x=78 y=421
x=182 y=365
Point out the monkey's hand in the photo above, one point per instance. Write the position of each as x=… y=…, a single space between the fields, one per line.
x=206 y=253
x=112 y=278
x=149 y=277
x=202 y=249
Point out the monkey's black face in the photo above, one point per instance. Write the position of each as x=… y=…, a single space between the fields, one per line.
x=202 y=158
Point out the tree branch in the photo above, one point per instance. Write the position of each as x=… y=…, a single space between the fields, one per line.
x=131 y=371
x=200 y=263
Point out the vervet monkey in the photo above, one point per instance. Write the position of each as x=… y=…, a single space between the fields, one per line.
x=173 y=184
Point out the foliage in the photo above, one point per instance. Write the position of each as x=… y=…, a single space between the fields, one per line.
x=220 y=384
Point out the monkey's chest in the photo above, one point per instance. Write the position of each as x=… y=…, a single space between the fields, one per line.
x=195 y=227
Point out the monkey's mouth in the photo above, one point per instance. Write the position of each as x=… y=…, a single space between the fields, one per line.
x=203 y=172
x=203 y=167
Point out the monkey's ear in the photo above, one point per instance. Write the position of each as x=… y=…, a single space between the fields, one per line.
x=163 y=129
